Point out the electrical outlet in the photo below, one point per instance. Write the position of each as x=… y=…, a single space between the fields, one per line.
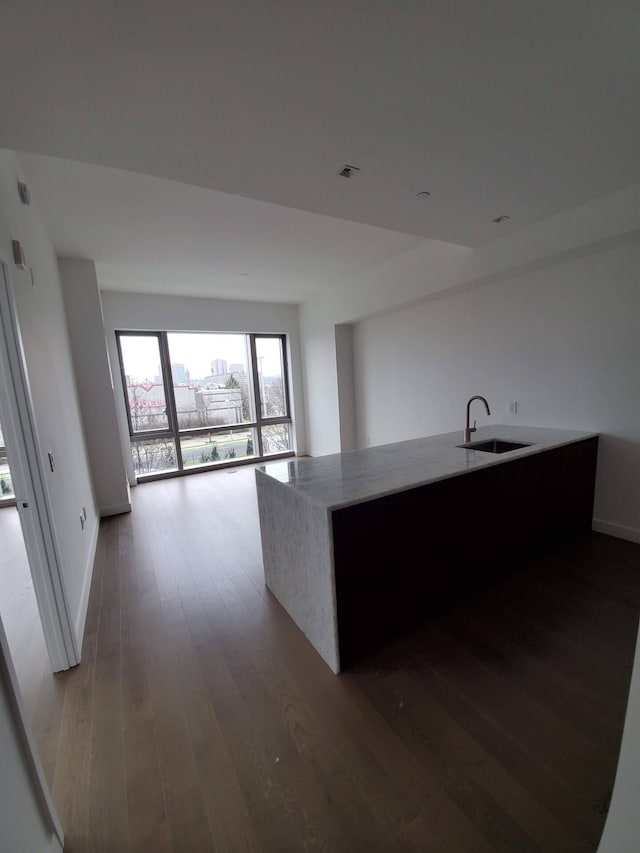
x=513 y=408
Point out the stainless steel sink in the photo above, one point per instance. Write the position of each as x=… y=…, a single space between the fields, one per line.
x=493 y=445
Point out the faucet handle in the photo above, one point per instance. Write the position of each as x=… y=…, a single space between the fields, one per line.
x=474 y=423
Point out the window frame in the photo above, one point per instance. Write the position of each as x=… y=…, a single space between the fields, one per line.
x=174 y=433
x=262 y=421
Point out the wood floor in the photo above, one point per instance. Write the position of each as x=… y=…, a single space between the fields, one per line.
x=201 y=719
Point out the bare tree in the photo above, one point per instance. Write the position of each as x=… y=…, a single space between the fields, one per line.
x=275 y=438
x=144 y=417
x=275 y=401
x=155 y=455
x=149 y=455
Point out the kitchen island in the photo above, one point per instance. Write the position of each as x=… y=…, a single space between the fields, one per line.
x=358 y=545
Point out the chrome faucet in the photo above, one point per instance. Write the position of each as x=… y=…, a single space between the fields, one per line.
x=468 y=430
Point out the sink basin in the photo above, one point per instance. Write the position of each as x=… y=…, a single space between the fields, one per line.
x=493 y=445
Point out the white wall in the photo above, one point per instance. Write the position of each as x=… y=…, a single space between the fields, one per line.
x=562 y=341
x=346 y=386
x=93 y=376
x=401 y=280
x=622 y=829
x=432 y=268
x=23 y=824
x=59 y=425
x=190 y=314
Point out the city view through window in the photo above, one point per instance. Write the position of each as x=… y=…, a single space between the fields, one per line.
x=200 y=399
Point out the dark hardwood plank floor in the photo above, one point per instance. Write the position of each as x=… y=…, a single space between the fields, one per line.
x=201 y=719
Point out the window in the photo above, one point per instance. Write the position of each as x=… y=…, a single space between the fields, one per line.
x=144 y=383
x=271 y=378
x=200 y=399
x=6 y=486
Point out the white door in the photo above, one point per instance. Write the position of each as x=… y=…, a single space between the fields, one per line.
x=20 y=436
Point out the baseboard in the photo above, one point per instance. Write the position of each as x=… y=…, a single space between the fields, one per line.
x=631 y=534
x=115 y=509
x=86 y=588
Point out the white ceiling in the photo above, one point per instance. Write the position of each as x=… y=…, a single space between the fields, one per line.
x=494 y=106
x=147 y=234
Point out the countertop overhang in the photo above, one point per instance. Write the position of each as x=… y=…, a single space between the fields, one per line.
x=343 y=479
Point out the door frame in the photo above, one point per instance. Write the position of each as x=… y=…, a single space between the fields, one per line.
x=30 y=488
x=9 y=683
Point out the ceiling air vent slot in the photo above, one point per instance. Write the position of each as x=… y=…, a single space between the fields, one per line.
x=348 y=171
x=23 y=192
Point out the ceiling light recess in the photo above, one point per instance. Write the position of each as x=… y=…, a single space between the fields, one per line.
x=348 y=171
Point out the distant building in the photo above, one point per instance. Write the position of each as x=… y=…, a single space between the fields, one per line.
x=218 y=366
x=236 y=368
x=195 y=407
x=180 y=374
x=220 y=380
x=219 y=406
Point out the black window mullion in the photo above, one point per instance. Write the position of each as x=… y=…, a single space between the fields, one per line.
x=151 y=435
x=257 y=397
x=123 y=377
x=190 y=433
x=285 y=374
x=170 y=397
x=281 y=419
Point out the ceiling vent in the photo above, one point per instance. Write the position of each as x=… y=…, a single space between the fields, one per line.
x=18 y=255
x=348 y=171
x=23 y=192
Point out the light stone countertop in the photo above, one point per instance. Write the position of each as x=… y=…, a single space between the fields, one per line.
x=342 y=479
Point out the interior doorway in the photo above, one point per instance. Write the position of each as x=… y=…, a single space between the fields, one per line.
x=29 y=488
x=30 y=650
x=19 y=612
x=18 y=605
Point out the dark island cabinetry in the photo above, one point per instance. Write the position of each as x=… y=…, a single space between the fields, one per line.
x=398 y=557
x=360 y=545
